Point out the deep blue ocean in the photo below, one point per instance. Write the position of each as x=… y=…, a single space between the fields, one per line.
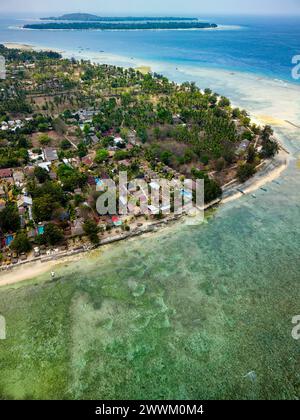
x=260 y=45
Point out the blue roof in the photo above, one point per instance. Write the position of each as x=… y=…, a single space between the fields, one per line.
x=8 y=240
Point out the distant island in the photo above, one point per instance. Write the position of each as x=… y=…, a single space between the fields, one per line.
x=122 y=26
x=85 y=21
x=85 y=17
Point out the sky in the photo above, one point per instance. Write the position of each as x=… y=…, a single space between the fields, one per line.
x=153 y=7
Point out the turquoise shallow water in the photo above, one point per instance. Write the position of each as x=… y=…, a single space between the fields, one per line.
x=186 y=313
x=190 y=312
x=259 y=45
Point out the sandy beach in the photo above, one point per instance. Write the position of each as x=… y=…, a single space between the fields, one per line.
x=25 y=272
x=267 y=173
x=28 y=47
x=15 y=45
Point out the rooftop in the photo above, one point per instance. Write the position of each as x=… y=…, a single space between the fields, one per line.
x=50 y=154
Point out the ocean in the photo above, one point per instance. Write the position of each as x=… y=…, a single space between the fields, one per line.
x=258 y=45
x=190 y=312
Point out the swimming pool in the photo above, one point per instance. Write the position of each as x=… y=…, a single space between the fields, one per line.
x=41 y=230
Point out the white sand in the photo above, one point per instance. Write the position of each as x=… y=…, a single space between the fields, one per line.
x=29 y=47
x=15 y=45
x=259 y=181
x=25 y=272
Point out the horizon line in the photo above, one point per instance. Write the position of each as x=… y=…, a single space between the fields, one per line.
x=177 y=14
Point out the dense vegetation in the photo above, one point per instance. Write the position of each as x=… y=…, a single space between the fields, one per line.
x=23 y=55
x=122 y=26
x=101 y=120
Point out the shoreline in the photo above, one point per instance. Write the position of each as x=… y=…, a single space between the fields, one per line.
x=268 y=171
x=29 y=47
x=103 y=57
x=14 y=274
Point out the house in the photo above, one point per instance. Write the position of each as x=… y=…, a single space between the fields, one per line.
x=77 y=228
x=119 y=142
x=104 y=175
x=87 y=161
x=116 y=221
x=101 y=185
x=85 y=115
x=4 y=126
x=67 y=162
x=45 y=165
x=35 y=156
x=6 y=173
x=22 y=212
x=94 y=139
x=125 y=163
x=2 y=191
x=64 y=216
x=243 y=147
x=153 y=209
x=11 y=125
x=154 y=186
x=18 y=177
x=91 y=180
x=25 y=201
x=36 y=251
x=9 y=239
x=131 y=136
x=123 y=200
x=50 y=154
x=132 y=209
x=75 y=162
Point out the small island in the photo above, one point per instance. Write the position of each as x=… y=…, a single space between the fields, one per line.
x=84 y=21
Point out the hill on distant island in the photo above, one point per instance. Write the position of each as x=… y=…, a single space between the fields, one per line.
x=87 y=17
x=74 y=16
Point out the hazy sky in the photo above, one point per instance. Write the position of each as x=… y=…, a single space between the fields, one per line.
x=153 y=7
